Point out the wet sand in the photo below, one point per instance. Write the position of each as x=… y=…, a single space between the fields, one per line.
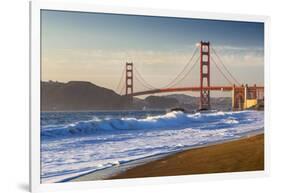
x=246 y=154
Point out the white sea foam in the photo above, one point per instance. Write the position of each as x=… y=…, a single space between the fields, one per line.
x=77 y=148
x=169 y=120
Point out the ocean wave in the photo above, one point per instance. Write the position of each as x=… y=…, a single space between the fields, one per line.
x=174 y=120
x=81 y=147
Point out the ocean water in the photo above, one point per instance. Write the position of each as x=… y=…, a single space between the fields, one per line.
x=75 y=143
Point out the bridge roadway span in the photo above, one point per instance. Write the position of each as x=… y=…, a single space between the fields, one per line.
x=192 y=89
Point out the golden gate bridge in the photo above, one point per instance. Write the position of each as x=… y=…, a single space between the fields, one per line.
x=243 y=95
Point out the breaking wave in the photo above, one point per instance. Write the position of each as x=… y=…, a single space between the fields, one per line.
x=170 y=120
x=101 y=140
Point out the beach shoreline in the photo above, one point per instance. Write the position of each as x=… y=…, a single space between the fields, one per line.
x=243 y=154
x=246 y=154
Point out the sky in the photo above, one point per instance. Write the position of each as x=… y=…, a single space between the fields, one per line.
x=95 y=47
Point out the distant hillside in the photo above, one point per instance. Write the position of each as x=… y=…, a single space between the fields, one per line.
x=191 y=103
x=81 y=96
x=158 y=102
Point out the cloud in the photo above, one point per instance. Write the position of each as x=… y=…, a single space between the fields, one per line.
x=237 y=48
x=151 y=59
x=239 y=56
x=104 y=67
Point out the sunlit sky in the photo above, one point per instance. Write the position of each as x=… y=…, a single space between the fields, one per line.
x=95 y=47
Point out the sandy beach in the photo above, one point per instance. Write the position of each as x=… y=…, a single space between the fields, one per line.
x=242 y=155
x=246 y=154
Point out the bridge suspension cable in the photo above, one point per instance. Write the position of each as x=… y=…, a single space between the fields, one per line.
x=120 y=81
x=230 y=82
x=142 y=80
x=173 y=82
x=188 y=72
x=224 y=66
x=122 y=90
x=142 y=84
x=183 y=74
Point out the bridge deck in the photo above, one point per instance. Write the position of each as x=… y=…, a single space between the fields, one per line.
x=192 y=89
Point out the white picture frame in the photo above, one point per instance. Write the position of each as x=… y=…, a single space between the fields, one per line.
x=36 y=6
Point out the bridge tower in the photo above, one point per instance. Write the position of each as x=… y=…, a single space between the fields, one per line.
x=204 y=75
x=129 y=78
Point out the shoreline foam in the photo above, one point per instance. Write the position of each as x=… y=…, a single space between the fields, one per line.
x=119 y=171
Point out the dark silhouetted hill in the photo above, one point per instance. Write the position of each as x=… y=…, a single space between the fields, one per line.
x=160 y=102
x=86 y=96
x=79 y=95
x=191 y=103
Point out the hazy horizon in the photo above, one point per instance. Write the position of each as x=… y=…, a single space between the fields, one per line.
x=94 y=47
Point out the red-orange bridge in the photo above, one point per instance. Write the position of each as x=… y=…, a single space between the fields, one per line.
x=243 y=96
